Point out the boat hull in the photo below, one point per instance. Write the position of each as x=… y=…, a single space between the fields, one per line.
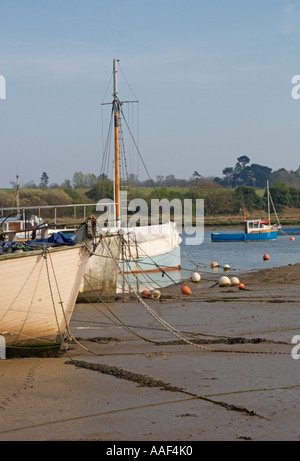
x=150 y=272
x=99 y=283
x=39 y=294
x=243 y=237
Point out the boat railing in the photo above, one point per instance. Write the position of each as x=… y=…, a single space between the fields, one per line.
x=80 y=211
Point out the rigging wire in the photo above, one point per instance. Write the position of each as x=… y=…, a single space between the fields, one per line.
x=138 y=151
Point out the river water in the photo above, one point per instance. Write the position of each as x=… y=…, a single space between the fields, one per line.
x=240 y=256
x=197 y=254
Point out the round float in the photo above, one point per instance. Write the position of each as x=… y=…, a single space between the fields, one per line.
x=234 y=281
x=186 y=290
x=196 y=277
x=224 y=282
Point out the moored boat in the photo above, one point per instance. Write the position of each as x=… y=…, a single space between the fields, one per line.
x=254 y=230
x=146 y=249
x=40 y=282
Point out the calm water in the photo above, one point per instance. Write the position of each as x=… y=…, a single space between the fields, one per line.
x=241 y=256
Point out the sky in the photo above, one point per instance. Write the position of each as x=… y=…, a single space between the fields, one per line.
x=213 y=79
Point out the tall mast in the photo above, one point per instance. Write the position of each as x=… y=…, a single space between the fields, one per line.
x=17 y=193
x=268 y=196
x=116 y=107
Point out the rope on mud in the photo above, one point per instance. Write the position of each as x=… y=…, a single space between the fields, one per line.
x=165 y=325
x=121 y=323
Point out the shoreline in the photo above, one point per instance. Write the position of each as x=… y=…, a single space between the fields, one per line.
x=213 y=366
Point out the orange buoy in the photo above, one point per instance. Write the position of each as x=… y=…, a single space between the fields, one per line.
x=292 y=238
x=241 y=286
x=146 y=294
x=266 y=257
x=186 y=290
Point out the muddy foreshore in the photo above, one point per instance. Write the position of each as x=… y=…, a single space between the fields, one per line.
x=213 y=366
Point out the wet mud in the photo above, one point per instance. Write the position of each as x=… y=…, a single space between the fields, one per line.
x=213 y=366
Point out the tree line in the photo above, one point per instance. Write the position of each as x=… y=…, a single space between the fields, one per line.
x=241 y=174
x=218 y=201
x=241 y=186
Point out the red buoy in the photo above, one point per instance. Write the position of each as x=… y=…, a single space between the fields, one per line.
x=292 y=238
x=146 y=294
x=186 y=290
x=241 y=286
x=266 y=257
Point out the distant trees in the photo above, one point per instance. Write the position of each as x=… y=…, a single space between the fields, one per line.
x=291 y=178
x=247 y=197
x=84 y=181
x=102 y=189
x=243 y=174
x=283 y=195
x=44 y=180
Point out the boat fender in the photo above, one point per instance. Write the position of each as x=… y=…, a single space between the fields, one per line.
x=156 y=294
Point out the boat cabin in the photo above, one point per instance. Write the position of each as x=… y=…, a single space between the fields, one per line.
x=19 y=226
x=257 y=225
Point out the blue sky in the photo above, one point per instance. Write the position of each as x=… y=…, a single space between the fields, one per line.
x=213 y=80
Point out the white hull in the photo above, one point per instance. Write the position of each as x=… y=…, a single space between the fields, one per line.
x=38 y=293
x=149 y=273
x=150 y=257
x=99 y=283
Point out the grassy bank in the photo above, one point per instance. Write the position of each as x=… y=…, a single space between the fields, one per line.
x=221 y=206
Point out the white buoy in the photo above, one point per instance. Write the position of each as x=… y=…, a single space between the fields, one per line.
x=234 y=281
x=214 y=264
x=226 y=267
x=224 y=282
x=196 y=277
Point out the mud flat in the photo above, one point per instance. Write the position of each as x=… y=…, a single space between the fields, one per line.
x=213 y=366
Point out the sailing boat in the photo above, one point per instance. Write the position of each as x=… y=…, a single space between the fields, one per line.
x=146 y=249
x=257 y=229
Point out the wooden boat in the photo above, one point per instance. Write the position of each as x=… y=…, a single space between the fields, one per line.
x=254 y=230
x=40 y=280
